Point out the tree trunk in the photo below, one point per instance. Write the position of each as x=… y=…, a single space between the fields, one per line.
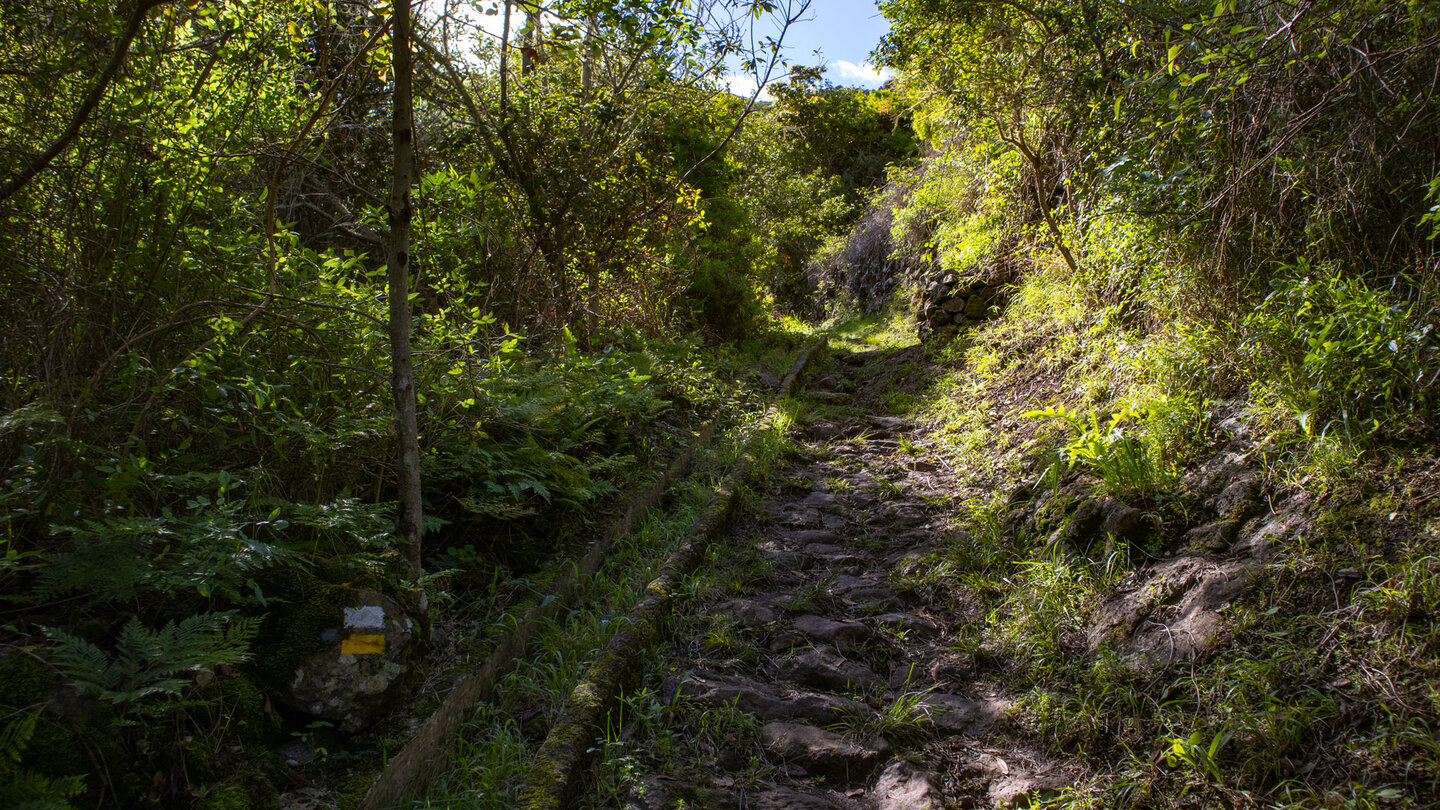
x=530 y=51
x=397 y=259
x=1042 y=195
x=587 y=64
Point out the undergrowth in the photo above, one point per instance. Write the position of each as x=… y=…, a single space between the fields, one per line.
x=1320 y=692
x=491 y=762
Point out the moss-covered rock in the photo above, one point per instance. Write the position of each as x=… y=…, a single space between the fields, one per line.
x=231 y=797
x=246 y=791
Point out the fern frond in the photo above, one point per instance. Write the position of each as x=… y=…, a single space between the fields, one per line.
x=27 y=790
x=147 y=662
x=15 y=738
x=82 y=661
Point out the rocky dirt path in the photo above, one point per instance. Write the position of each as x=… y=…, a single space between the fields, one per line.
x=854 y=684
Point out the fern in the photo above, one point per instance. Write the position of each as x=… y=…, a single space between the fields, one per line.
x=214 y=549
x=22 y=789
x=148 y=663
x=495 y=507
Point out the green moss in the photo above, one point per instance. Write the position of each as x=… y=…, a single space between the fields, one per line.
x=24 y=681
x=248 y=790
x=352 y=788
x=291 y=633
x=233 y=797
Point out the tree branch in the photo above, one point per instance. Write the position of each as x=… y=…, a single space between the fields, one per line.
x=88 y=105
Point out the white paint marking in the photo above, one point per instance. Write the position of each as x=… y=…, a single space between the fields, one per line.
x=370 y=617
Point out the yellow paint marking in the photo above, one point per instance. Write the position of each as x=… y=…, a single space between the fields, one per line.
x=363 y=644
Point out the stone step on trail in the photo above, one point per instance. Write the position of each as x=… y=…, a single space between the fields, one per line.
x=842 y=634
x=807 y=537
x=767 y=701
x=824 y=668
x=914 y=624
x=824 y=753
x=776 y=797
x=906 y=786
x=752 y=613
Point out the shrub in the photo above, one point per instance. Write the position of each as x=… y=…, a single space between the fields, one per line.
x=1342 y=353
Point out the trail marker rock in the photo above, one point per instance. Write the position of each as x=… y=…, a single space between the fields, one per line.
x=353 y=675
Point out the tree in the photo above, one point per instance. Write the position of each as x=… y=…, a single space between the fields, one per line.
x=597 y=189
x=133 y=22
x=397 y=260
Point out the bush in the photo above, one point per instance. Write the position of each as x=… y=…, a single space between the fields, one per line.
x=1343 y=354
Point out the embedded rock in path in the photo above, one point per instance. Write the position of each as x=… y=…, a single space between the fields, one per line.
x=819 y=500
x=1217 y=536
x=823 y=752
x=961 y=715
x=1187 y=627
x=1016 y=789
x=904 y=786
x=1239 y=500
x=824 y=668
x=905 y=514
x=911 y=623
x=814 y=536
x=835 y=557
x=1172 y=610
x=785 y=798
x=1258 y=536
x=859 y=358
x=650 y=793
x=766 y=701
x=750 y=612
x=1083 y=530
x=1013 y=778
x=1124 y=523
x=842 y=634
x=889 y=422
x=862 y=589
x=793 y=514
x=782 y=560
x=1215 y=474
x=357 y=650
x=861 y=500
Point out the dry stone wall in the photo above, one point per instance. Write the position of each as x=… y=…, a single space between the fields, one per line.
x=947 y=302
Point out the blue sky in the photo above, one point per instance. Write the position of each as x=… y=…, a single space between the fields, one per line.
x=843 y=32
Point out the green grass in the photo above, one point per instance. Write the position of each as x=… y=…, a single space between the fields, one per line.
x=891 y=328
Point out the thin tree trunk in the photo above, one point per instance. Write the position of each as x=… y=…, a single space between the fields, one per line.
x=504 y=67
x=587 y=65
x=1042 y=194
x=530 y=51
x=88 y=105
x=397 y=259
